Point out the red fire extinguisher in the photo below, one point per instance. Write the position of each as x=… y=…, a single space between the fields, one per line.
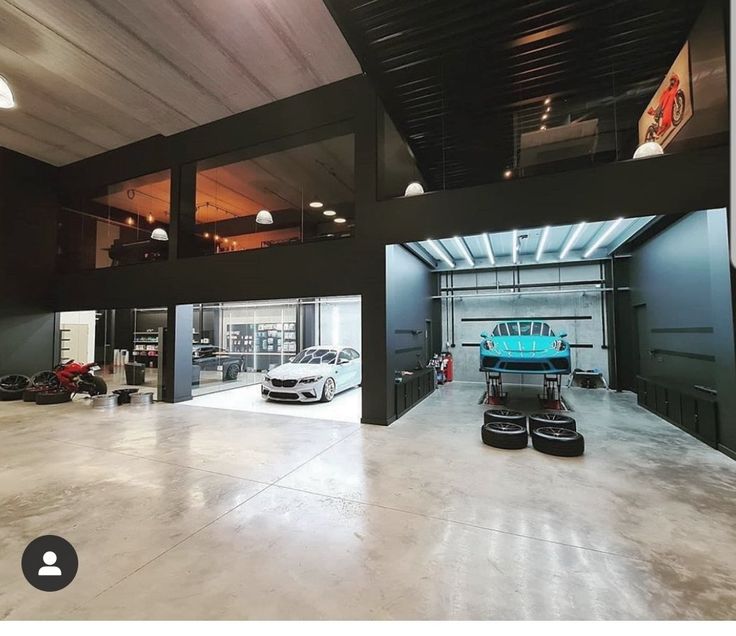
x=447 y=366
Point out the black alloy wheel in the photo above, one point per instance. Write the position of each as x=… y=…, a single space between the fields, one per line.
x=558 y=420
x=12 y=386
x=505 y=435
x=561 y=442
x=504 y=415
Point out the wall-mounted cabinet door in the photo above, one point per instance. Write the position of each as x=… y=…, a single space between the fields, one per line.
x=674 y=407
x=707 y=422
x=641 y=391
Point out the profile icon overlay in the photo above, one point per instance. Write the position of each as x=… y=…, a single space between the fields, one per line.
x=49 y=563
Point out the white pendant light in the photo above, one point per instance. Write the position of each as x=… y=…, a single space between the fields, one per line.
x=6 y=95
x=264 y=217
x=413 y=189
x=159 y=234
x=648 y=149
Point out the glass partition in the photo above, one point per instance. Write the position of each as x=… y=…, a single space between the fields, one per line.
x=122 y=224
x=290 y=196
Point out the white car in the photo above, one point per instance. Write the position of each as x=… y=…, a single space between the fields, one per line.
x=315 y=374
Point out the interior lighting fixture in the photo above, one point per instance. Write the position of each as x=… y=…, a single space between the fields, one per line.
x=648 y=149
x=316 y=204
x=130 y=220
x=602 y=238
x=543 y=127
x=413 y=189
x=440 y=253
x=264 y=217
x=6 y=95
x=515 y=247
x=206 y=234
x=489 y=249
x=339 y=219
x=464 y=250
x=217 y=237
x=544 y=115
x=542 y=242
x=150 y=218
x=508 y=173
x=159 y=234
x=547 y=101
x=329 y=213
x=571 y=240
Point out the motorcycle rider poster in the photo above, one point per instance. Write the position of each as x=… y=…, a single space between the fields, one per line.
x=671 y=105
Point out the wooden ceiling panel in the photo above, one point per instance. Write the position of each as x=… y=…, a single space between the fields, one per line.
x=91 y=75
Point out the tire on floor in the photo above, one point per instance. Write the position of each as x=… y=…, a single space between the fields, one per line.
x=561 y=442
x=53 y=397
x=12 y=386
x=504 y=435
x=504 y=415
x=558 y=420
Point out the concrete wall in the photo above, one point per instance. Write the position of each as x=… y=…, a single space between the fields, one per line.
x=566 y=308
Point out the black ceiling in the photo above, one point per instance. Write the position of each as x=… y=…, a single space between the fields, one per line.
x=462 y=79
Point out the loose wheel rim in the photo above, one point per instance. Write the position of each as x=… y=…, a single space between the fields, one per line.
x=14 y=382
x=505 y=412
x=560 y=433
x=552 y=417
x=330 y=389
x=44 y=378
x=506 y=426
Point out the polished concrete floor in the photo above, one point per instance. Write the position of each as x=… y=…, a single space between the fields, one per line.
x=345 y=406
x=185 y=512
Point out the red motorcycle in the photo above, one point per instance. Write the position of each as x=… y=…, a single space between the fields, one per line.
x=669 y=112
x=70 y=378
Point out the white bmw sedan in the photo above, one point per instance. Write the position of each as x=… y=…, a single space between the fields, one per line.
x=317 y=373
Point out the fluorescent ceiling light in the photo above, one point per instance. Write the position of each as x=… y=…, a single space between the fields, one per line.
x=489 y=249
x=339 y=219
x=602 y=238
x=571 y=240
x=542 y=241
x=465 y=252
x=515 y=247
x=329 y=213
x=6 y=95
x=440 y=253
x=316 y=204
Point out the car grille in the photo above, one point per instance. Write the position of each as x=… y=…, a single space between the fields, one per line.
x=525 y=366
x=280 y=395
x=285 y=383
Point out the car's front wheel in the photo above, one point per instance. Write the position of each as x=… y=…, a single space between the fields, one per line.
x=328 y=390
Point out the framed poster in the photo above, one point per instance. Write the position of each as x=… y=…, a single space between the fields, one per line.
x=672 y=104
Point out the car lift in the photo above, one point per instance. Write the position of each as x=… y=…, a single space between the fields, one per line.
x=550 y=398
x=494 y=389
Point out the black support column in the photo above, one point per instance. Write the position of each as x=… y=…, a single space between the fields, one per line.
x=177 y=354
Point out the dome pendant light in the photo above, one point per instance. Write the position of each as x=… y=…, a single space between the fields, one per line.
x=6 y=95
x=413 y=189
x=648 y=149
x=264 y=217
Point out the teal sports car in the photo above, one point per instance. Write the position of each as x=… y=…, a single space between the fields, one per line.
x=524 y=346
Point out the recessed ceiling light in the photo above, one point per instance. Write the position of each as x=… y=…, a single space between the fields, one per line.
x=549 y=108
x=150 y=218
x=572 y=239
x=130 y=220
x=440 y=253
x=6 y=95
x=217 y=237
x=206 y=234
x=544 y=115
x=543 y=127
x=507 y=174
x=316 y=204
x=329 y=213
x=339 y=219
x=603 y=237
x=489 y=249
x=547 y=101
x=464 y=250
x=542 y=241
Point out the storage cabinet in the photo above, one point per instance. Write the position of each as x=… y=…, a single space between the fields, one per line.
x=410 y=389
x=685 y=406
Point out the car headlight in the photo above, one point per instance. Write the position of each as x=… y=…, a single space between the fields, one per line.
x=314 y=378
x=267 y=378
x=488 y=344
x=559 y=345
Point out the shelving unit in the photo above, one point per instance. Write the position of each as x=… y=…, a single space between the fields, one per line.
x=145 y=347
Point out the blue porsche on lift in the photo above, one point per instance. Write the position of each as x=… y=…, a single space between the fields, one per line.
x=524 y=346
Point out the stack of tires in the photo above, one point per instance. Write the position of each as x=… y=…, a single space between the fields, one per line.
x=551 y=433
x=41 y=388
